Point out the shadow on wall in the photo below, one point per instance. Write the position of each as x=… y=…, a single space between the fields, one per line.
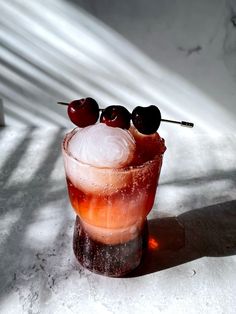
x=42 y=63
x=171 y=34
x=208 y=231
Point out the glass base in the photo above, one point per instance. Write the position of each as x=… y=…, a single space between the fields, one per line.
x=109 y=260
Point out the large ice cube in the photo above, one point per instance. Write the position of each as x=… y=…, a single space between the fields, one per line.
x=102 y=146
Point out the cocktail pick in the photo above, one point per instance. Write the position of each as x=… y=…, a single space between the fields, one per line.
x=182 y=123
x=156 y=113
x=62 y=103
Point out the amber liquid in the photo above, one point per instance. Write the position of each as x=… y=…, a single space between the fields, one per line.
x=114 y=256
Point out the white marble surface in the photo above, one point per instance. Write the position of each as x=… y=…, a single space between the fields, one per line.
x=179 y=55
x=38 y=272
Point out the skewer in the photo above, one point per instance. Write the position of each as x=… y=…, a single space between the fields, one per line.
x=182 y=123
x=62 y=103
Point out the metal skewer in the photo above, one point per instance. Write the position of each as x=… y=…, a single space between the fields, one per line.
x=182 y=123
x=62 y=103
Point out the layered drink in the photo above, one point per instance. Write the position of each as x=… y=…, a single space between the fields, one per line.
x=112 y=176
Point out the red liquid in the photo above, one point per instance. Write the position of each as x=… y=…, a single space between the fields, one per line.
x=120 y=209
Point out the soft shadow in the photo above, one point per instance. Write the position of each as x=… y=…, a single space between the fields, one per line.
x=207 y=231
x=22 y=202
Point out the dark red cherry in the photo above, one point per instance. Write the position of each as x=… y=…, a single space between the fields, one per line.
x=146 y=119
x=116 y=116
x=83 y=112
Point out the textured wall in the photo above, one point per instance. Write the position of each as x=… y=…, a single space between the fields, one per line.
x=180 y=55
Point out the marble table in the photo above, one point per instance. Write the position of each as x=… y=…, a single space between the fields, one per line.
x=194 y=219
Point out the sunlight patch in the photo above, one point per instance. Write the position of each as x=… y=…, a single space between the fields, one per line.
x=43 y=232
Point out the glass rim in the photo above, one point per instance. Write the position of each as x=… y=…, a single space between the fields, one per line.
x=128 y=168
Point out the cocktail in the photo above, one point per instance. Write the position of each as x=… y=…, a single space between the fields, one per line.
x=112 y=172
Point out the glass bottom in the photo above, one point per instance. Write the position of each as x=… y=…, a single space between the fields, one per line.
x=109 y=260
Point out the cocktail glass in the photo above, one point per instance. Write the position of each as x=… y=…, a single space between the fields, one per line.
x=111 y=207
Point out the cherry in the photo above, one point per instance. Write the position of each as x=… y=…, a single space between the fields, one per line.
x=83 y=112
x=116 y=116
x=146 y=119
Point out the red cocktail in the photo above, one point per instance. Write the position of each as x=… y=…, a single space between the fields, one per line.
x=112 y=204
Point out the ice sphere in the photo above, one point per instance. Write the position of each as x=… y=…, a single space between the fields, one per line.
x=103 y=146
